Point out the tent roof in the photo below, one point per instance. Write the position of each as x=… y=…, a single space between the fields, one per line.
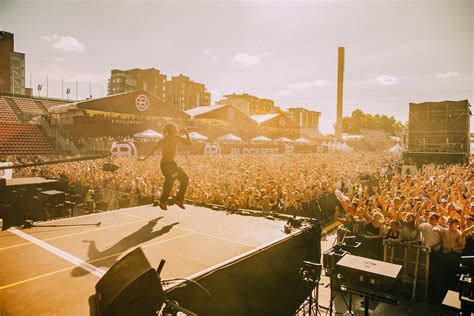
x=197 y=136
x=302 y=140
x=261 y=118
x=137 y=102
x=395 y=148
x=283 y=140
x=230 y=137
x=261 y=138
x=279 y=120
x=224 y=112
x=149 y=133
x=203 y=109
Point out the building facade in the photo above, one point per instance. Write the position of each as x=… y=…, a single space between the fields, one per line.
x=12 y=66
x=150 y=80
x=186 y=94
x=241 y=104
x=256 y=105
x=304 y=118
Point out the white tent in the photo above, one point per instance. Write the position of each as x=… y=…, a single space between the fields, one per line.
x=149 y=133
x=302 y=140
x=346 y=147
x=283 y=140
x=395 y=149
x=229 y=138
x=260 y=139
x=338 y=146
x=198 y=137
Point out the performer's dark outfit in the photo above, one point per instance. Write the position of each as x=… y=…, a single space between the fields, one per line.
x=170 y=169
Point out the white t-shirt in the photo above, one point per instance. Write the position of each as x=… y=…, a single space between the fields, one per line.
x=431 y=236
x=452 y=239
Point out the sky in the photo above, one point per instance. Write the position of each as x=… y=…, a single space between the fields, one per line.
x=396 y=51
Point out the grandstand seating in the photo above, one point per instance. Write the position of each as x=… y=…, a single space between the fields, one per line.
x=6 y=113
x=28 y=106
x=23 y=139
x=50 y=103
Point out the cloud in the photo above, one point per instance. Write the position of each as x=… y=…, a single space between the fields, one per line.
x=266 y=54
x=284 y=93
x=384 y=80
x=302 y=85
x=246 y=60
x=450 y=74
x=64 y=43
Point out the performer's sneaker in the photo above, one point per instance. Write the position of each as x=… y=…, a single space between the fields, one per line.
x=162 y=205
x=180 y=203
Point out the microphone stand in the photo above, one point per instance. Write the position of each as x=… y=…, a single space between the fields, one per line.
x=30 y=223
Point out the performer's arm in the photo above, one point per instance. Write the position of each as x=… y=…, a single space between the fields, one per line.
x=186 y=140
x=152 y=150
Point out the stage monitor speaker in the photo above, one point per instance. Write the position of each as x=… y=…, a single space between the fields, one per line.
x=370 y=277
x=53 y=197
x=130 y=287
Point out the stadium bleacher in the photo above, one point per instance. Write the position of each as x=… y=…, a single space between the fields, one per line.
x=49 y=103
x=23 y=139
x=28 y=106
x=6 y=113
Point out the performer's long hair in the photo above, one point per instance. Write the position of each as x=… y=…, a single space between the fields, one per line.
x=170 y=129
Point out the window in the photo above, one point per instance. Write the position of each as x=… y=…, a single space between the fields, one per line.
x=145 y=86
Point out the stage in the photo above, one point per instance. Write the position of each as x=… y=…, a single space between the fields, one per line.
x=34 y=181
x=53 y=270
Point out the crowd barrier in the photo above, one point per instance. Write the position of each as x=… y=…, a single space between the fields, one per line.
x=426 y=274
x=415 y=260
x=321 y=208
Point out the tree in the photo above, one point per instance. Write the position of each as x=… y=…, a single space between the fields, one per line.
x=359 y=121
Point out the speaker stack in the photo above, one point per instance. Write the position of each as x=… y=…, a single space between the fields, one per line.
x=438 y=129
x=130 y=287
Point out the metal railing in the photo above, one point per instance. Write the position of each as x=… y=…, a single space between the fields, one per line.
x=60 y=142
x=414 y=259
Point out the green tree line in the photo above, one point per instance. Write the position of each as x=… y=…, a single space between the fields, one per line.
x=359 y=121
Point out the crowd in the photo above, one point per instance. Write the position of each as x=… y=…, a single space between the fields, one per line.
x=429 y=202
x=433 y=208
x=268 y=183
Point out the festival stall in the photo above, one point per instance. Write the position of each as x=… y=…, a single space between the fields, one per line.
x=302 y=140
x=195 y=136
x=261 y=139
x=149 y=133
x=229 y=138
x=283 y=140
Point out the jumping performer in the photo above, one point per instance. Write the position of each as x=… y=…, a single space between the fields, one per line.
x=169 y=168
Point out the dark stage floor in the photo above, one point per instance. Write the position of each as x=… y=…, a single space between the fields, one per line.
x=53 y=270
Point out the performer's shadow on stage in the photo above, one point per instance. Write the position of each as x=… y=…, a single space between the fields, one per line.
x=109 y=256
